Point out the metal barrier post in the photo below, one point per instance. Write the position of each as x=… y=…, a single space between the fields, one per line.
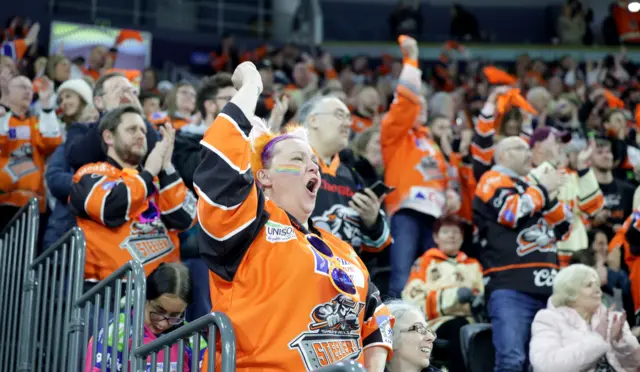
x=17 y=247
x=210 y=323
x=96 y=303
x=54 y=296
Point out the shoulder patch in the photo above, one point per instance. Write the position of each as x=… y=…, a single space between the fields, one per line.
x=278 y=233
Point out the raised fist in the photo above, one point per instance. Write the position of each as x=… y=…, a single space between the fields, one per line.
x=409 y=47
x=246 y=73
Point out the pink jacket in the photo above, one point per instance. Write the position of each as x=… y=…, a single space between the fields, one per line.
x=561 y=340
x=148 y=337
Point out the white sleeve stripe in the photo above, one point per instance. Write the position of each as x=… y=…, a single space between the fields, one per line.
x=223 y=157
x=177 y=207
x=144 y=184
x=235 y=124
x=86 y=200
x=172 y=184
x=204 y=197
x=229 y=235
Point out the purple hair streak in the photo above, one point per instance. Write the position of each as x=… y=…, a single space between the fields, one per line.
x=268 y=148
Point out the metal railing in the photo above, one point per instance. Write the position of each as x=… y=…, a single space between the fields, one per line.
x=52 y=285
x=17 y=248
x=113 y=323
x=191 y=333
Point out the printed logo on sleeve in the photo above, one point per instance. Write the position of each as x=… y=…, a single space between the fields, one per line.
x=278 y=233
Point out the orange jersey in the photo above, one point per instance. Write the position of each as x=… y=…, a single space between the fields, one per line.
x=126 y=214
x=413 y=162
x=25 y=142
x=468 y=185
x=265 y=274
x=160 y=118
x=434 y=282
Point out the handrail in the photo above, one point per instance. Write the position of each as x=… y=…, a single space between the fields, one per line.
x=211 y=323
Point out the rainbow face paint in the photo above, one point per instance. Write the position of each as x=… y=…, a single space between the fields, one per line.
x=293 y=169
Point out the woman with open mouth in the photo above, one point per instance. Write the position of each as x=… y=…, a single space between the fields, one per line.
x=299 y=298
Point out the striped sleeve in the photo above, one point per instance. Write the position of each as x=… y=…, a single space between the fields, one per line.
x=176 y=203
x=107 y=199
x=482 y=143
x=378 y=322
x=501 y=201
x=230 y=206
x=590 y=198
x=377 y=238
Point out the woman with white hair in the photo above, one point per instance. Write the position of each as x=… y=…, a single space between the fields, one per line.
x=412 y=339
x=577 y=333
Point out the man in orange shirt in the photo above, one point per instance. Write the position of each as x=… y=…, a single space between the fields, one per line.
x=126 y=210
x=25 y=141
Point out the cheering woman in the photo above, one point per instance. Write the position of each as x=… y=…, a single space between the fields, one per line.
x=299 y=298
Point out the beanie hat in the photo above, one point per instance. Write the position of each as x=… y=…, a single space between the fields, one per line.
x=80 y=87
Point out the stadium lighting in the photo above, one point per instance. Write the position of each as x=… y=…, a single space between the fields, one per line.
x=634 y=6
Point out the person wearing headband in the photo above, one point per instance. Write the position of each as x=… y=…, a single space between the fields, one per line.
x=299 y=298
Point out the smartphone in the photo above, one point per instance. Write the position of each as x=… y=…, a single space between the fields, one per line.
x=380 y=189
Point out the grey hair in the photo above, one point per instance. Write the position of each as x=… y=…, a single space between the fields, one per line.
x=399 y=309
x=308 y=108
x=568 y=283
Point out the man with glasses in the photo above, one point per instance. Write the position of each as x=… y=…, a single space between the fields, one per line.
x=82 y=145
x=518 y=224
x=344 y=206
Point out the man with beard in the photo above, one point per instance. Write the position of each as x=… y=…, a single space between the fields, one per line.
x=82 y=145
x=128 y=210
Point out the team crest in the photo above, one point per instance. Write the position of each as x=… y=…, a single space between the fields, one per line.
x=148 y=240
x=333 y=334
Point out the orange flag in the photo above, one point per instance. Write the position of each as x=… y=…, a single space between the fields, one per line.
x=499 y=77
x=612 y=100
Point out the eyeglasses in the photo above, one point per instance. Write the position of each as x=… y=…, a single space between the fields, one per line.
x=338 y=276
x=341 y=115
x=422 y=330
x=173 y=320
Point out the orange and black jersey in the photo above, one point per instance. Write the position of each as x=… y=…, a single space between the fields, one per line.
x=519 y=226
x=127 y=213
x=25 y=143
x=332 y=211
x=262 y=265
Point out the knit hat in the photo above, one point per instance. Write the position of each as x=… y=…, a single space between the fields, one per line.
x=80 y=87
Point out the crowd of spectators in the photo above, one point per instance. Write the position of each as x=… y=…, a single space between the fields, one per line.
x=502 y=180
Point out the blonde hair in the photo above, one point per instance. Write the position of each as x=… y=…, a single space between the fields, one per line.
x=568 y=283
x=261 y=137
